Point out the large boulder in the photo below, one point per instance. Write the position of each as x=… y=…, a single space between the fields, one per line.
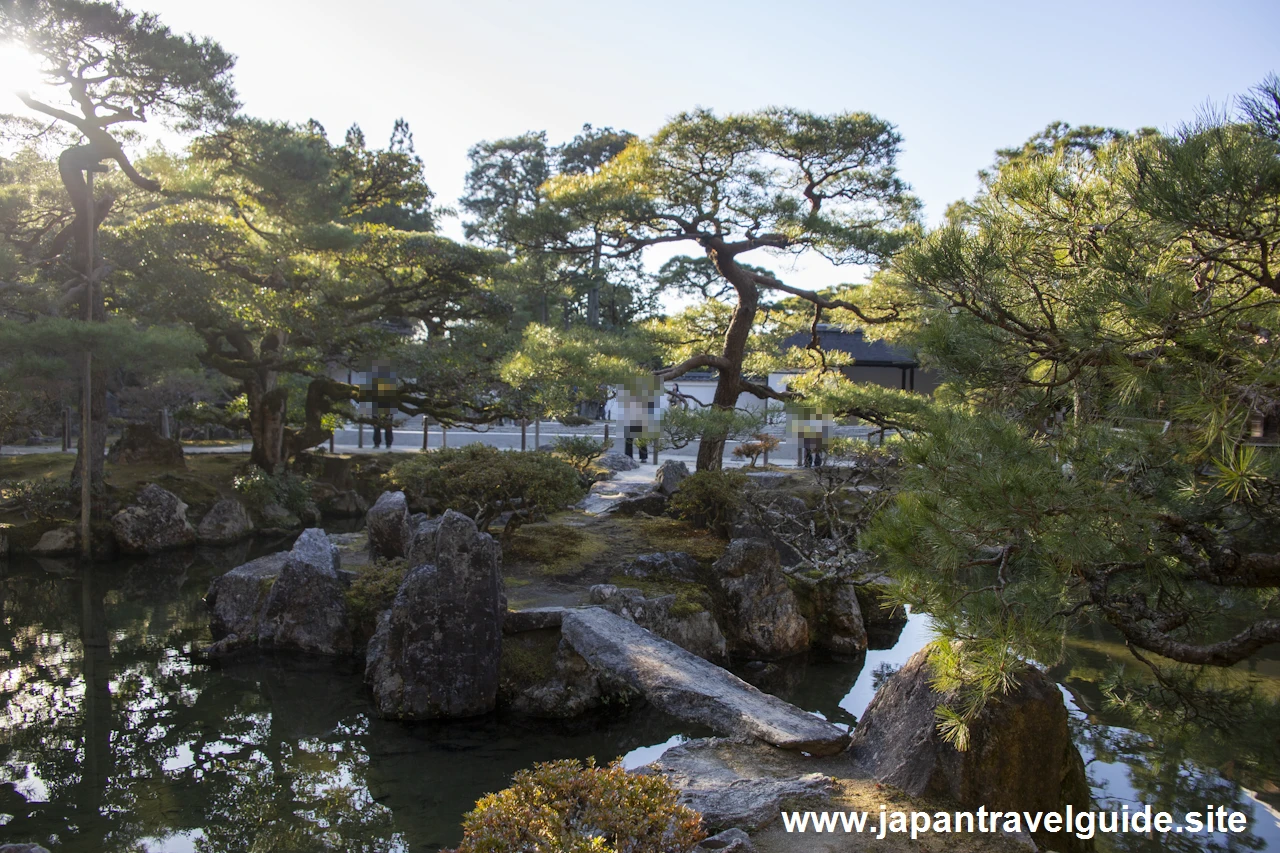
x=1020 y=756
x=141 y=444
x=755 y=607
x=228 y=521
x=436 y=651
x=830 y=606
x=388 y=524
x=687 y=625
x=346 y=504
x=882 y=619
x=237 y=598
x=647 y=503
x=669 y=477
x=690 y=688
x=59 y=542
x=306 y=609
x=157 y=522
x=294 y=600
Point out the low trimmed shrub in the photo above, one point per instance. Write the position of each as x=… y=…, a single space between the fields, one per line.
x=36 y=498
x=710 y=499
x=486 y=483
x=580 y=451
x=571 y=807
x=257 y=488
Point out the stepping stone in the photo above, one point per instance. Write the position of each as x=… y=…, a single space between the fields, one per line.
x=692 y=689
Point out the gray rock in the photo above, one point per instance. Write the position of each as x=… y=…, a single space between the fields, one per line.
x=345 y=504
x=648 y=503
x=689 y=687
x=830 y=606
x=157 y=522
x=422 y=541
x=278 y=517
x=57 y=542
x=22 y=848
x=669 y=477
x=533 y=619
x=236 y=599
x=736 y=785
x=603 y=496
x=544 y=677
x=695 y=632
x=294 y=600
x=755 y=607
x=1020 y=755
x=883 y=622
x=142 y=444
x=667 y=564
x=436 y=652
x=228 y=521
x=730 y=841
x=306 y=609
x=614 y=461
x=388 y=524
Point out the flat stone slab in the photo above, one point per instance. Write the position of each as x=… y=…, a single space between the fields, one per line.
x=691 y=688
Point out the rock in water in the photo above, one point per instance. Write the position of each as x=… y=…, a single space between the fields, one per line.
x=141 y=444
x=669 y=477
x=388 y=525
x=306 y=609
x=436 y=652
x=830 y=606
x=1020 y=755
x=690 y=688
x=757 y=610
x=236 y=599
x=228 y=521
x=157 y=522
x=57 y=542
x=295 y=600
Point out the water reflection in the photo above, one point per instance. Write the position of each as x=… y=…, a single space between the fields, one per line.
x=112 y=738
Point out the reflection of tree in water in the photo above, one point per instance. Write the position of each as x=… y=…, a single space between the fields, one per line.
x=881 y=674
x=134 y=741
x=1161 y=774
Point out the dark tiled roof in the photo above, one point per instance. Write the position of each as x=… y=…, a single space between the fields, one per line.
x=865 y=353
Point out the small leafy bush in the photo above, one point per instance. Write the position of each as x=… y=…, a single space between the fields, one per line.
x=36 y=498
x=760 y=443
x=257 y=488
x=579 y=450
x=484 y=483
x=374 y=588
x=570 y=807
x=710 y=499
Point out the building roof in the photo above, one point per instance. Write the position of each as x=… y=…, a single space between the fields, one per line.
x=865 y=353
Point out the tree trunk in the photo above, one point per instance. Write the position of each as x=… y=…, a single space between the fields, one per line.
x=266 y=421
x=729 y=386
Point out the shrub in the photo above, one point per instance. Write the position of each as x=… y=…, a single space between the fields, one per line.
x=38 y=498
x=257 y=488
x=484 y=483
x=710 y=499
x=570 y=807
x=760 y=443
x=579 y=450
x=373 y=590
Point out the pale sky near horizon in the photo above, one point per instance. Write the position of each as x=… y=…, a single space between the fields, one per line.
x=958 y=79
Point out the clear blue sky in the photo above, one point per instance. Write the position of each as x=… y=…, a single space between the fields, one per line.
x=959 y=79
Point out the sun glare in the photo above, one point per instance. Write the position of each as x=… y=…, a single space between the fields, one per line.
x=19 y=69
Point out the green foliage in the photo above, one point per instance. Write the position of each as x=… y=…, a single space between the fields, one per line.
x=374 y=589
x=580 y=451
x=683 y=425
x=484 y=483
x=572 y=807
x=42 y=498
x=710 y=499
x=257 y=489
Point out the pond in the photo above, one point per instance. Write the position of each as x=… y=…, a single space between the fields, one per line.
x=112 y=738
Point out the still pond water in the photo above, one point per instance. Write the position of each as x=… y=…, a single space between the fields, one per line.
x=113 y=739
